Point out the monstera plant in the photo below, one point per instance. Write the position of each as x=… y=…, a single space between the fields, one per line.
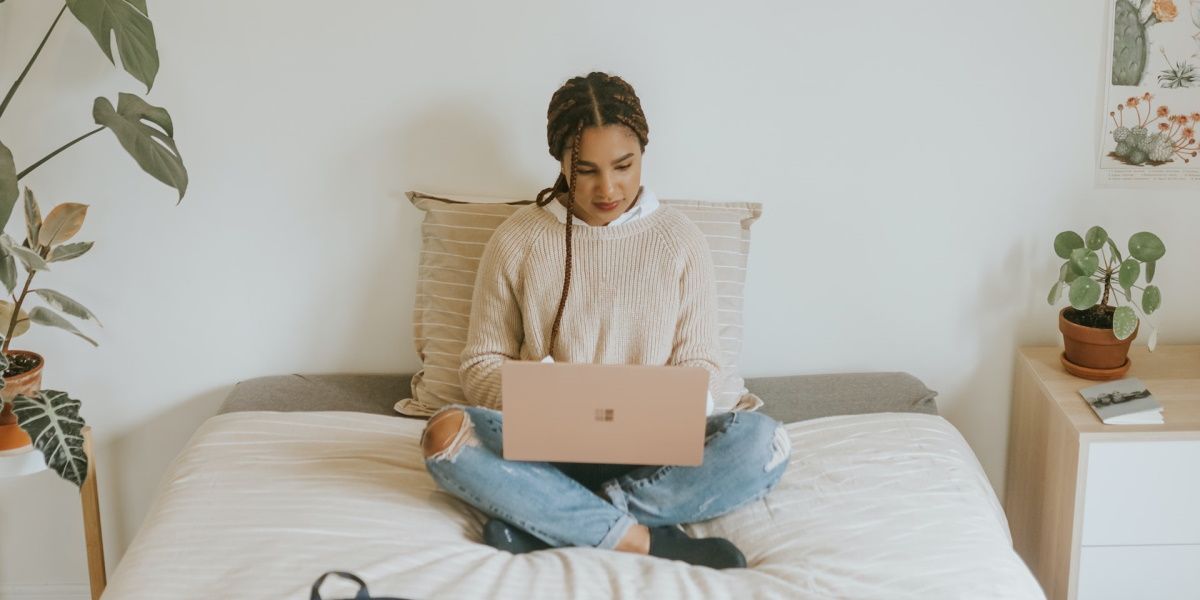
x=1098 y=327
x=50 y=419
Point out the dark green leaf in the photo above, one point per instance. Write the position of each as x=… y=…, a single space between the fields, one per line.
x=45 y=316
x=1084 y=294
x=68 y=251
x=1066 y=273
x=1151 y=299
x=1124 y=322
x=1095 y=237
x=129 y=20
x=1146 y=247
x=1065 y=242
x=153 y=148
x=8 y=186
x=1084 y=261
x=52 y=419
x=1150 y=266
x=1127 y=276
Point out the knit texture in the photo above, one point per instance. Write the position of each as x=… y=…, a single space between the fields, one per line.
x=642 y=293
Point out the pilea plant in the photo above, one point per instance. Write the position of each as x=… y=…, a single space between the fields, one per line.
x=1096 y=272
x=51 y=418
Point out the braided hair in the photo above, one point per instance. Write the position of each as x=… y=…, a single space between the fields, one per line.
x=596 y=100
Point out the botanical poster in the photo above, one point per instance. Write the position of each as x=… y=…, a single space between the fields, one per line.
x=1152 y=95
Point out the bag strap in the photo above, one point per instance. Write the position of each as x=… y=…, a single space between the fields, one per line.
x=362 y=594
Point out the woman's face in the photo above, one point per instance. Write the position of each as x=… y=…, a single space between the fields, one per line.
x=608 y=174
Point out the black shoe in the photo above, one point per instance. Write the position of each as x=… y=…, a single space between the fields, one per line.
x=672 y=543
x=503 y=536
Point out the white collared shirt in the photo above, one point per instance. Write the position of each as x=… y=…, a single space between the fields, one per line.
x=647 y=203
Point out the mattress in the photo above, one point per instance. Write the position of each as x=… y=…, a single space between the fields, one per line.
x=259 y=504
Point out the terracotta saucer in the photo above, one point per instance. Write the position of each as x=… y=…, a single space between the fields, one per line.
x=1096 y=374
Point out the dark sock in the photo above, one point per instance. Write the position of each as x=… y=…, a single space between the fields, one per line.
x=672 y=543
x=510 y=538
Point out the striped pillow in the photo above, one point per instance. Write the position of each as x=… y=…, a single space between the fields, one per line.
x=452 y=239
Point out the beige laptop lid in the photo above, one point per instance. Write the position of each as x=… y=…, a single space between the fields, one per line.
x=592 y=413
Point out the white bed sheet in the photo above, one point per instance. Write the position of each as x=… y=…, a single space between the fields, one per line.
x=889 y=505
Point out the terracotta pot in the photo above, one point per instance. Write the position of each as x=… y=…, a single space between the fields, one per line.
x=1093 y=352
x=11 y=435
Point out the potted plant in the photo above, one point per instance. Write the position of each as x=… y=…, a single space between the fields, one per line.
x=50 y=419
x=1096 y=334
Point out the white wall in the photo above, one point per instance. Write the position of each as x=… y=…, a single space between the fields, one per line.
x=915 y=160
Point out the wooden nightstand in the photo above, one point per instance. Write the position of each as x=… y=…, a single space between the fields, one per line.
x=1106 y=511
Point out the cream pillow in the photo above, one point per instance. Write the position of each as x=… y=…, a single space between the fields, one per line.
x=453 y=236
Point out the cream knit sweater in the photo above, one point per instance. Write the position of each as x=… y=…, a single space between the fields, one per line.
x=642 y=292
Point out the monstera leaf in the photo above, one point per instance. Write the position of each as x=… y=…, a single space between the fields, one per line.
x=52 y=419
x=8 y=185
x=152 y=147
x=130 y=21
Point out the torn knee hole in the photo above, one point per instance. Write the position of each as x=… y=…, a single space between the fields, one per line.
x=438 y=441
x=781 y=448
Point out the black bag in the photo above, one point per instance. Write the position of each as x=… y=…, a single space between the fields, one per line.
x=362 y=594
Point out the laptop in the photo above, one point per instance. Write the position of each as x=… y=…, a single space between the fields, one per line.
x=596 y=413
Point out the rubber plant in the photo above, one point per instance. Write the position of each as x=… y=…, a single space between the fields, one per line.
x=1095 y=273
x=51 y=418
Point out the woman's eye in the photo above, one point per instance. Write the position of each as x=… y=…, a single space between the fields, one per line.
x=623 y=167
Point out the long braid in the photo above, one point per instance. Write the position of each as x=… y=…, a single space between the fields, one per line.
x=562 y=299
x=593 y=101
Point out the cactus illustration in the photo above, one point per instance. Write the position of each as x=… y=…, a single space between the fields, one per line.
x=1129 y=45
x=1131 y=41
x=1174 y=135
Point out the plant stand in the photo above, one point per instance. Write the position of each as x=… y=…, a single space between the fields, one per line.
x=16 y=464
x=90 y=498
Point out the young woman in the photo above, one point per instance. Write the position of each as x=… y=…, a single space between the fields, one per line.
x=632 y=284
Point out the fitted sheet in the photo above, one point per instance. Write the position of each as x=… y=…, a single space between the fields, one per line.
x=258 y=504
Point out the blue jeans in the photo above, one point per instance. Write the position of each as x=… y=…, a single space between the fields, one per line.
x=576 y=504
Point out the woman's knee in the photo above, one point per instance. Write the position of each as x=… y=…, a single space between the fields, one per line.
x=763 y=431
x=446 y=432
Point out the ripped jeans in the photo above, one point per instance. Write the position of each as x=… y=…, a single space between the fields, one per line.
x=579 y=504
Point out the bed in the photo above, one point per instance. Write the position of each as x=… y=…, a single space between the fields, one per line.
x=299 y=475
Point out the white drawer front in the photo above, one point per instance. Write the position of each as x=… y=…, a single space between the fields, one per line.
x=1128 y=572
x=1142 y=493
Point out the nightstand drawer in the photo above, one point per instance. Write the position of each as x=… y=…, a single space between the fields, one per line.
x=1124 y=572
x=1142 y=493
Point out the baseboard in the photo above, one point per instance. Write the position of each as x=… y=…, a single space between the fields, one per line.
x=79 y=591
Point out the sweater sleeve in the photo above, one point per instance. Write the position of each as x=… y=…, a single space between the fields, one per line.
x=495 y=330
x=696 y=341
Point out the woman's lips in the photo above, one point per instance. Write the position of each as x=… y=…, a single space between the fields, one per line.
x=606 y=207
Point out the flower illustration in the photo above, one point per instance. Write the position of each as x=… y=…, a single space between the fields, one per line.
x=1164 y=10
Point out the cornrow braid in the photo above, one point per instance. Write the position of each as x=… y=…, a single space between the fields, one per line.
x=562 y=299
x=595 y=100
